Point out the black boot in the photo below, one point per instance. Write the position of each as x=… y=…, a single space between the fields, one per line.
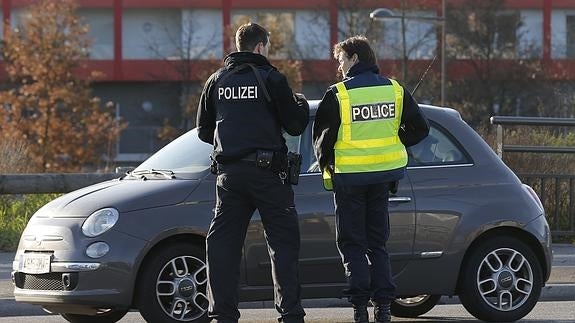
x=360 y=314
x=382 y=312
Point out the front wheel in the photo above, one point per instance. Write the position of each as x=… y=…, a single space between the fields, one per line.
x=501 y=281
x=172 y=285
x=413 y=306
x=111 y=316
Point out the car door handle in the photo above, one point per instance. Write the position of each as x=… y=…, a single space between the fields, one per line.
x=400 y=199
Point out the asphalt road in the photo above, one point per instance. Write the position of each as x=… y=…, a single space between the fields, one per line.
x=557 y=303
x=560 y=312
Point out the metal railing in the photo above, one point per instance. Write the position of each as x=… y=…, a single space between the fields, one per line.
x=529 y=121
x=557 y=192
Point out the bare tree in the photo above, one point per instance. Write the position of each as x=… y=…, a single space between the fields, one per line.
x=386 y=38
x=505 y=78
x=191 y=57
x=182 y=60
x=280 y=26
x=46 y=104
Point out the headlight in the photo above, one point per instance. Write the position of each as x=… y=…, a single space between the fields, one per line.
x=100 y=222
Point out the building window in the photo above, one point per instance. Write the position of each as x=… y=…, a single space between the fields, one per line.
x=151 y=33
x=562 y=33
x=280 y=24
x=100 y=24
x=570 y=40
x=100 y=32
x=202 y=32
x=144 y=106
x=505 y=37
x=356 y=21
x=312 y=34
x=386 y=36
x=530 y=34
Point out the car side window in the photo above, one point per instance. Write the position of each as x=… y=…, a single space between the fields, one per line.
x=438 y=148
x=298 y=145
x=302 y=144
x=292 y=142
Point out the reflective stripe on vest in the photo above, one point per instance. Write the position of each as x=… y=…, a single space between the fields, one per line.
x=367 y=138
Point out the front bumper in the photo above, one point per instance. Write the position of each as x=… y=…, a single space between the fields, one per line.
x=75 y=282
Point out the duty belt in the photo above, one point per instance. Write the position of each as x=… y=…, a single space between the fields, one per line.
x=249 y=157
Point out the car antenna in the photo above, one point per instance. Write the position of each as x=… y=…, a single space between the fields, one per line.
x=424 y=74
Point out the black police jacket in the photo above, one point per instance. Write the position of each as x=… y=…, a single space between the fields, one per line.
x=236 y=117
x=327 y=121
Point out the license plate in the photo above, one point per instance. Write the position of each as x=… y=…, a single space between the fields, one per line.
x=34 y=263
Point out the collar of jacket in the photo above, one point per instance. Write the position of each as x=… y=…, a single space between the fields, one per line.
x=361 y=67
x=238 y=58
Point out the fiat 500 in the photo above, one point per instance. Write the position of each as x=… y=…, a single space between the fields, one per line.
x=462 y=224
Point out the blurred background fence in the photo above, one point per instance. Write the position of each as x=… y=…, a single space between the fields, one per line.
x=550 y=173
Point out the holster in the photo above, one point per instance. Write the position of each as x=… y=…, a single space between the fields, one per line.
x=293 y=167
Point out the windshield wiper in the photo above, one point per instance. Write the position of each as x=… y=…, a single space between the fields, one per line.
x=163 y=172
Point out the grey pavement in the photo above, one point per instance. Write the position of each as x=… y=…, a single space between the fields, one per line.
x=544 y=312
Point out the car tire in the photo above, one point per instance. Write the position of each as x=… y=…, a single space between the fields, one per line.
x=413 y=306
x=172 y=285
x=501 y=281
x=112 y=316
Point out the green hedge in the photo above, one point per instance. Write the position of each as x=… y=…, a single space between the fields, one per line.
x=15 y=211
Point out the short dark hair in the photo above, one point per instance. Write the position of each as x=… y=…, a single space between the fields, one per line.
x=249 y=35
x=356 y=45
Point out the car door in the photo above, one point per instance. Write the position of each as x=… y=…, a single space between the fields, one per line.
x=319 y=258
x=439 y=170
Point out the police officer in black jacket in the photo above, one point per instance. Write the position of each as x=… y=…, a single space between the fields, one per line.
x=243 y=109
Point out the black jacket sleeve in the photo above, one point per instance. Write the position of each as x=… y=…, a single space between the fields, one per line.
x=414 y=126
x=206 y=115
x=293 y=112
x=325 y=129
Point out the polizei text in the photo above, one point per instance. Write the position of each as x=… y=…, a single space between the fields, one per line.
x=238 y=92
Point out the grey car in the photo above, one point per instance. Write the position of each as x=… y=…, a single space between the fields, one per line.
x=461 y=224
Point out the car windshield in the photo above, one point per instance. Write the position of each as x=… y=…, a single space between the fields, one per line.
x=186 y=154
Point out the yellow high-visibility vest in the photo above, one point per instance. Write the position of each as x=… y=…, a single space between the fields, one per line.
x=368 y=138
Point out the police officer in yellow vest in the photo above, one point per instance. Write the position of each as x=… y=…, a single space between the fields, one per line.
x=362 y=127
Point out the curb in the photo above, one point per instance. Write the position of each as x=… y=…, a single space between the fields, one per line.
x=551 y=292
x=558 y=292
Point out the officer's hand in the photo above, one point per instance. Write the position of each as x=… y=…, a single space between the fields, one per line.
x=300 y=96
x=330 y=169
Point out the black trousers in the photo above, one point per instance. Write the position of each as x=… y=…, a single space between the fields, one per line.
x=362 y=221
x=242 y=188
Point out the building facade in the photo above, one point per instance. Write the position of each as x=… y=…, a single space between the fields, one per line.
x=151 y=50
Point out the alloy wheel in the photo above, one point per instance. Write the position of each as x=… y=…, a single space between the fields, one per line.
x=412 y=301
x=181 y=288
x=505 y=279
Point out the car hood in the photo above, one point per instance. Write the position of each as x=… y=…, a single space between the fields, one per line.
x=124 y=195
